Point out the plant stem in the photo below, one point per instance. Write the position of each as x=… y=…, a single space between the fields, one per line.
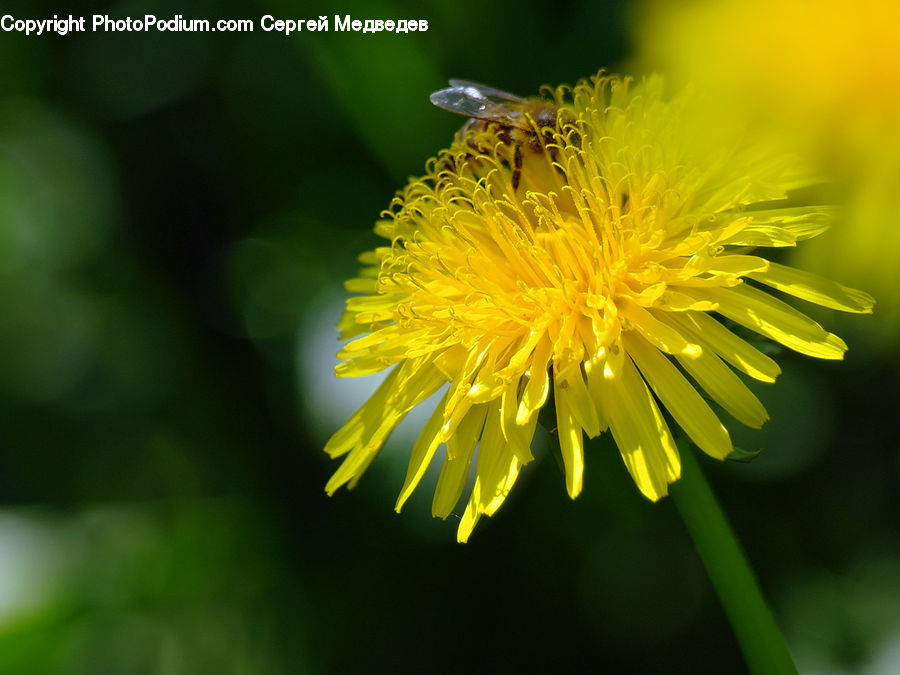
x=751 y=619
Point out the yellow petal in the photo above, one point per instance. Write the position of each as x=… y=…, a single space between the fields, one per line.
x=640 y=432
x=460 y=448
x=405 y=387
x=663 y=336
x=614 y=360
x=711 y=334
x=375 y=307
x=422 y=453
x=675 y=301
x=813 y=288
x=365 y=420
x=520 y=438
x=570 y=445
x=468 y=521
x=359 y=458
x=360 y=285
x=775 y=319
x=804 y=222
x=361 y=471
x=762 y=235
x=726 y=388
x=495 y=473
x=594 y=371
x=538 y=385
x=570 y=388
x=367 y=364
x=679 y=397
x=508 y=406
x=737 y=265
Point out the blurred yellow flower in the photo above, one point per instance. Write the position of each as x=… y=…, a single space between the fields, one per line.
x=582 y=276
x=824 y=74
x=830 y=65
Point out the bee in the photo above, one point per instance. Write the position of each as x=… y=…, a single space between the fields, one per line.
x=523 y=124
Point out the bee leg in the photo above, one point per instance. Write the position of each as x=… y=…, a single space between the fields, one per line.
x=517 y=167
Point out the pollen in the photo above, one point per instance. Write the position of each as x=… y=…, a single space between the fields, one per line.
x=598 y=268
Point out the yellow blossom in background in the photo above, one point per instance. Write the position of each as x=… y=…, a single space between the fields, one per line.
x=594 y=279
x=825 y=75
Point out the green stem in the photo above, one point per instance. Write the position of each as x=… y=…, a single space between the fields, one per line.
x=754 y=626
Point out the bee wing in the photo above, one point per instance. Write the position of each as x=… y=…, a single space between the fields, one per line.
x=461 y=101
x=487 y=91
x=470 y=101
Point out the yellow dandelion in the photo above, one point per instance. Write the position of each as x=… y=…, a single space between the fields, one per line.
x=589 y=261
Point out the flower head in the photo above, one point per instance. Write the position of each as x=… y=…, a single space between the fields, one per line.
x=590 y=264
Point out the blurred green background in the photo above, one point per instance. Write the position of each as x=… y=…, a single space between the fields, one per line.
x=177 y=214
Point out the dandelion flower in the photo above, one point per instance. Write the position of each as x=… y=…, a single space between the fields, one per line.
x=592 y=267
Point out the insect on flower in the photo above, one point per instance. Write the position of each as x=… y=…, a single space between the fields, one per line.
x=526 y=125
x=581 y=253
